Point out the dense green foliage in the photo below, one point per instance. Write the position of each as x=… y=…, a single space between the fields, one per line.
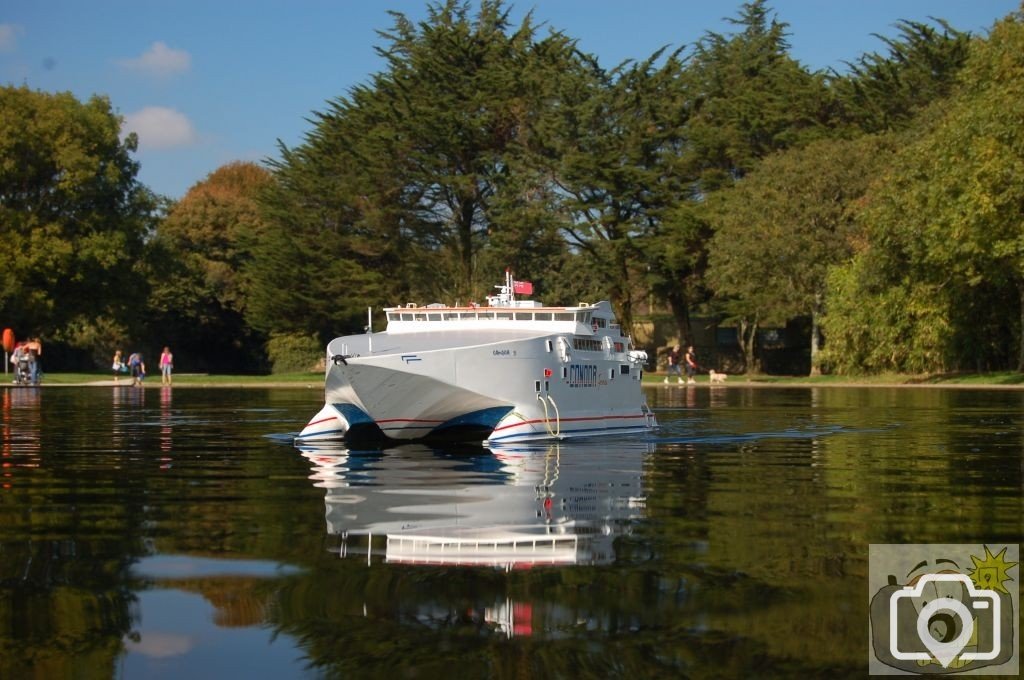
x=421 y=184
x=782 y=229
x=72 y=216
x=939 y=283
x=724 y=179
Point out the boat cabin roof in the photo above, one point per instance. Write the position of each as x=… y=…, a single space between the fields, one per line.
x=582 y=319
x=503 y=310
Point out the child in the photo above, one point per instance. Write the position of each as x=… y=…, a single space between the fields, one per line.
x=166 y=364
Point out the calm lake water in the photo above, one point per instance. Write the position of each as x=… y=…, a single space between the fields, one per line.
x=164 y=533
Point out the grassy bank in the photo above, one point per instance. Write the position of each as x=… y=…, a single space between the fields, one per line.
x=316 y=379
x=997 y=379
x=190 y=379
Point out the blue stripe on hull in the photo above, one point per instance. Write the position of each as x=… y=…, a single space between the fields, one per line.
x=484 y=418
x=353 y=414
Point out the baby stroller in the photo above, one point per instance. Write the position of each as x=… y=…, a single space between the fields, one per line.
x=22 y=368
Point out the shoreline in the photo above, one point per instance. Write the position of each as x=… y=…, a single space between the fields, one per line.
x=733 y=382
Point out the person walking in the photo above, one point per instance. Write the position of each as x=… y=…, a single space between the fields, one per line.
x=166 y=365
x=675 y=365
x=691 y=365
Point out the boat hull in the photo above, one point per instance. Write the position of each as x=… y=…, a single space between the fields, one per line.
x=492 y=388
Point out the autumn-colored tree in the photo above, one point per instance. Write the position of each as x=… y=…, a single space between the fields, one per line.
x=199 y=292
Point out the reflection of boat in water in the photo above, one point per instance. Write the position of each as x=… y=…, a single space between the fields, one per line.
x=556 y=504
x=509 y=545
x=509 y=372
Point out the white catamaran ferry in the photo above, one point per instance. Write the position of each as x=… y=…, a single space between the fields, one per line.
x=511 y=371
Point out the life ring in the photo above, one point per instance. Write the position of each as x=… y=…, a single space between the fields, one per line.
x=8 y=340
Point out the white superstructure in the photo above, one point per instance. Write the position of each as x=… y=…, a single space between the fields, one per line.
x=511 y=371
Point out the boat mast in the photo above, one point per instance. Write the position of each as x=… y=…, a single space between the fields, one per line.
x=509 y=293
x=505 y=297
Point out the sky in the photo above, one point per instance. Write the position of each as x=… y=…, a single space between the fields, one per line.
x=207 y=82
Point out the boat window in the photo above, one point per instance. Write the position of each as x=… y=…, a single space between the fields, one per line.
x=565 y=372
x=564 y=316
x=624 y=369
x=583 y=317
x=611 y=374
x=451 y=316
x=420 y=317
x=434 y=317
x=407 y=317
x=524 y=316
x=504 y=316
x=543 y=316
x=618 y=347
x=548 y=344
x=600 y=323
x=587 y=344
x=536 y=385
x=486 y=315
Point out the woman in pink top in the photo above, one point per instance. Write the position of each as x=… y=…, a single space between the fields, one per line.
x=166 y=364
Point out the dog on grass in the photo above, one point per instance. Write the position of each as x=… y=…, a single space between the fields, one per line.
x=717 y=377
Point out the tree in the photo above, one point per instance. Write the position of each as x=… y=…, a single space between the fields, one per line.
x=945 y=252
x=882 y=93
x=618 y=143
x=417 y=180
x=743 y=98
x=748 y=98
x=780 y=229
x=72 y=214
x=198 y=255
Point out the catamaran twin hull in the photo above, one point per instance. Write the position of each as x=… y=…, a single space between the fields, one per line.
x=498 y=385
